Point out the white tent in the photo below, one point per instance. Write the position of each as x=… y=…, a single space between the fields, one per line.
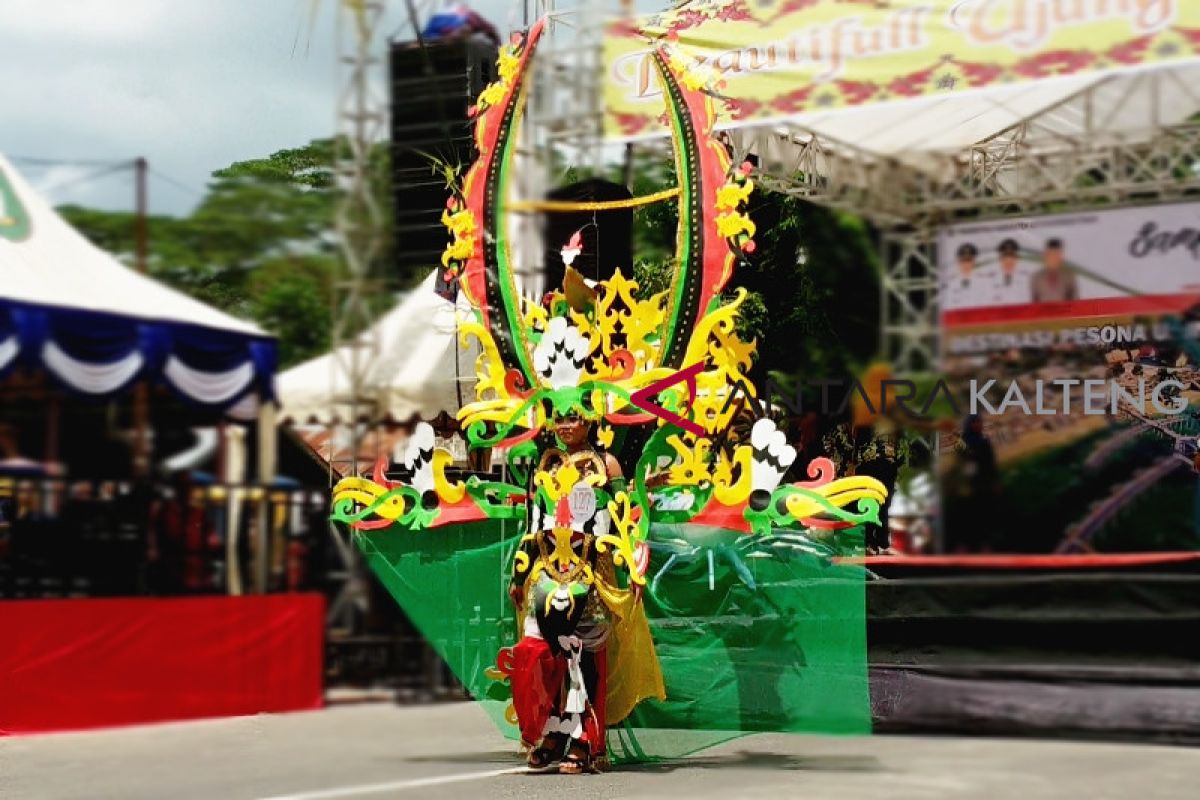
x=419 y=368
x=97 y=326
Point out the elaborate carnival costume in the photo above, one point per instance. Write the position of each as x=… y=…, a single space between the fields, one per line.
x=603 y=352
x=564 y=581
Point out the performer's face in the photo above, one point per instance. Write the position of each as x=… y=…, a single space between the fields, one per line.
x=1008 y=263
x=571 y=431
x=966 y=264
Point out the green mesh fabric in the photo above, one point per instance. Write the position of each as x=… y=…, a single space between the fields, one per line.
x=787 y=655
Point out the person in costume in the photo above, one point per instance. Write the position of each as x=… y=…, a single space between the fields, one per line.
x=963 y=288
x=1011 y=285
x=654 y=372
x=559 y=680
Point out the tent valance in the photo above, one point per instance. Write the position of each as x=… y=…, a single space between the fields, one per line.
x=99 y=354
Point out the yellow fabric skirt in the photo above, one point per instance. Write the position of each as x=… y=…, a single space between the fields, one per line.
x=634 y=674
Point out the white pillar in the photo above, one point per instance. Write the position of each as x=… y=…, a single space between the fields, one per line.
x=266 y=476
x=234 y=451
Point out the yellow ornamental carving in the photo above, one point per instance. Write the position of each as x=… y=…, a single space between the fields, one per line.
x=447 y=491
x=716 y=332
x=489 y=367
x=458 y=250
x=711 y=408
x=560 y=482
x=623 y=536
x=732 y=480
x=534 y=316
x=691 y=466
x=364 y=492
x=605 y=435
x=733 y=194
x=492 y=95
x=499 y=411
x=460 y=223
x=692 y=74
x=842 y=493
x=620 y=312
x=508 y=64
x=732 y=224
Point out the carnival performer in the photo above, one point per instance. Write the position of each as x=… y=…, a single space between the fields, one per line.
x=653 y=372
x=566 y=593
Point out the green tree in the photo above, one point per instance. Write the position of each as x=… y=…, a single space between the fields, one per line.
x=260 y=244
x=812 y=282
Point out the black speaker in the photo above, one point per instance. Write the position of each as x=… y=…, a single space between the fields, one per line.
x=431 y=89
x=607 y=235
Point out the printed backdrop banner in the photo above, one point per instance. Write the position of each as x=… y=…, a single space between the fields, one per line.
x=1103 y=264
x=779 y=58
x=1036 y=305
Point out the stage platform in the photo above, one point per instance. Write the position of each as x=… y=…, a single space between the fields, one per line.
x=1087 y=646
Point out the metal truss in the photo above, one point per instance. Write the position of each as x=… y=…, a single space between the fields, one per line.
x=359 y=220
x=564 y=116
x=835 y=174
x=359 y=223
x=908 y=314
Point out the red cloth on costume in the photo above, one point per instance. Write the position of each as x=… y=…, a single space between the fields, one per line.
x=537 y=680
x=537 y=685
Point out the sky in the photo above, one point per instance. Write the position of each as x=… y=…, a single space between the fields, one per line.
x=191 y=86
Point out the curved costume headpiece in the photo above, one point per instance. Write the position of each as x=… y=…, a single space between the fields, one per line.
x=668 y=362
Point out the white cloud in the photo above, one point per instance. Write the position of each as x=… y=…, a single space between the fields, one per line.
x=83 y=20
x=192 y=86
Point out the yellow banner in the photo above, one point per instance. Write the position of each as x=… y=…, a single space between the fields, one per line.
x=780 y=58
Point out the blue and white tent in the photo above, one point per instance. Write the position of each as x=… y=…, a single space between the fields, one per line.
x=97 y=327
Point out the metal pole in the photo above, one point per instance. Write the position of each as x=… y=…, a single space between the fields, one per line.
x=266 y=475
x=141 y=399
x=139 y=167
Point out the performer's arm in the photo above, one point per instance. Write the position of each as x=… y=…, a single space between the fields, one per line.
x=616 y=478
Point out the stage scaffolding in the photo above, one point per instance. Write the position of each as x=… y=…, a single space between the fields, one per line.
x=1064 y=158
x=359 y=223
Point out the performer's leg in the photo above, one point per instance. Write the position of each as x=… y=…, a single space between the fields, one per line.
x=537 y=680
x=595 y=678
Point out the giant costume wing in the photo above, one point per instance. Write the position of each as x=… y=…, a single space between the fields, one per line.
x=488 y=276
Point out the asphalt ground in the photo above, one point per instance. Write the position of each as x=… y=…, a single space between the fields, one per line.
x=381 y=750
